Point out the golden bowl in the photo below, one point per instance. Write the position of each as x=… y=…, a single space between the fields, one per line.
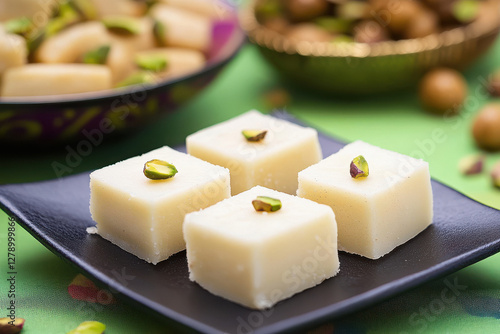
x=360 y=68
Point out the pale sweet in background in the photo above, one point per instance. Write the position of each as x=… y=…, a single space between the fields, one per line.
x=377 y=213
x=273 y=162
x=260 y=258
x=144 y=216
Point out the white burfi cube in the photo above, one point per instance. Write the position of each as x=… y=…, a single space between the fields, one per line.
x=144 y=216
x=377 y=213
x=273 y=162
x=257 y=258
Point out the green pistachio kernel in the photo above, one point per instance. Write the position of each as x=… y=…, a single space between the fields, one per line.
x=359 y=167
x=160 y=32
x=22 y=26
x=122 y=25
x=267 y=204
x=334 y=24
x=159 y=170
x=155 y=63
x=98 y=56
x=89 y=327
x=254 y=135
x=85 y=8
x=9 y=326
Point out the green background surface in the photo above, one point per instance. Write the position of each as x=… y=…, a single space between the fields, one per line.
x=393 y=121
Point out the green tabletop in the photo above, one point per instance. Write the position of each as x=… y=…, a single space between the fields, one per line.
x=394 y=121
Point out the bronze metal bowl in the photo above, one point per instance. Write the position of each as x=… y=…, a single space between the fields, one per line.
x=360 y=68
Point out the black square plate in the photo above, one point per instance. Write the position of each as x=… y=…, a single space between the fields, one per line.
x=57 y=214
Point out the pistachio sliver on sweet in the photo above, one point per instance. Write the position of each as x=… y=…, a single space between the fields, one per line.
x=254 y=135
x=160 y=32
x=359 y=167
x=266 y=204
x=465 y=11
x=495 y=175
x=122 y=25
x=155 y=63
x=85 y=8
x=159 y=170
x=98 y=56
x=21 y=26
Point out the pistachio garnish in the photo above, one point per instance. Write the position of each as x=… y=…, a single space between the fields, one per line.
x=254 y=135
x=359 y=167
x=267 y=204
x=122 y=25
x=160 y=32
x=334 y=24
x=85 y=8
x=138 y=78
x=495 y=175
x=89 y=327
x=471 y=164
x=9 y=326
x=98 y=56
x=155 y=63
x=22 y=26
x=159 y=170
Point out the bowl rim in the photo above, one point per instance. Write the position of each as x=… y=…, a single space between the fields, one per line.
x=275 y=41
x=236 y=42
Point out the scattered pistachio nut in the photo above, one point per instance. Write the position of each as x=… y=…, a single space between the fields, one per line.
x=89 y=327
x=266 y=204
x=494 y=83
x=98 y=56
x=122 y=25
x=155 y=63
x=495 y=175
x=471 y=164
x=159 y=170
x=9 y=326
x=254 y=135
x=334 y=25
x=359 y=167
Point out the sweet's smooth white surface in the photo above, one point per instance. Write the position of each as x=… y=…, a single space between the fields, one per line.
x=256 y=258
x=374 y=214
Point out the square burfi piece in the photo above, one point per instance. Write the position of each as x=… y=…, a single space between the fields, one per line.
x=260 y=258
x=377 y=213
x=145 y=216
x=273 y=162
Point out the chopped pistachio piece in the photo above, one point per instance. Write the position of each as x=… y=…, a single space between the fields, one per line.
x=9 y=326
x=334 y=24
x=495 y=175
x=89 y=327
x=22 y=26
x=159 y=170
x=268 y=9
x=471 y=164
x=267 y=204
x=160 y=32
x=97 y=56
x=359 y=167
x=465 y=11
x=138 y=78
x=85 y=8
x=122 y=25
x=155 y=63
x=342 y=39
x=254 y=135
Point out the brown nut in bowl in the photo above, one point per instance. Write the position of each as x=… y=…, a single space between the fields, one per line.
x=372 y=46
